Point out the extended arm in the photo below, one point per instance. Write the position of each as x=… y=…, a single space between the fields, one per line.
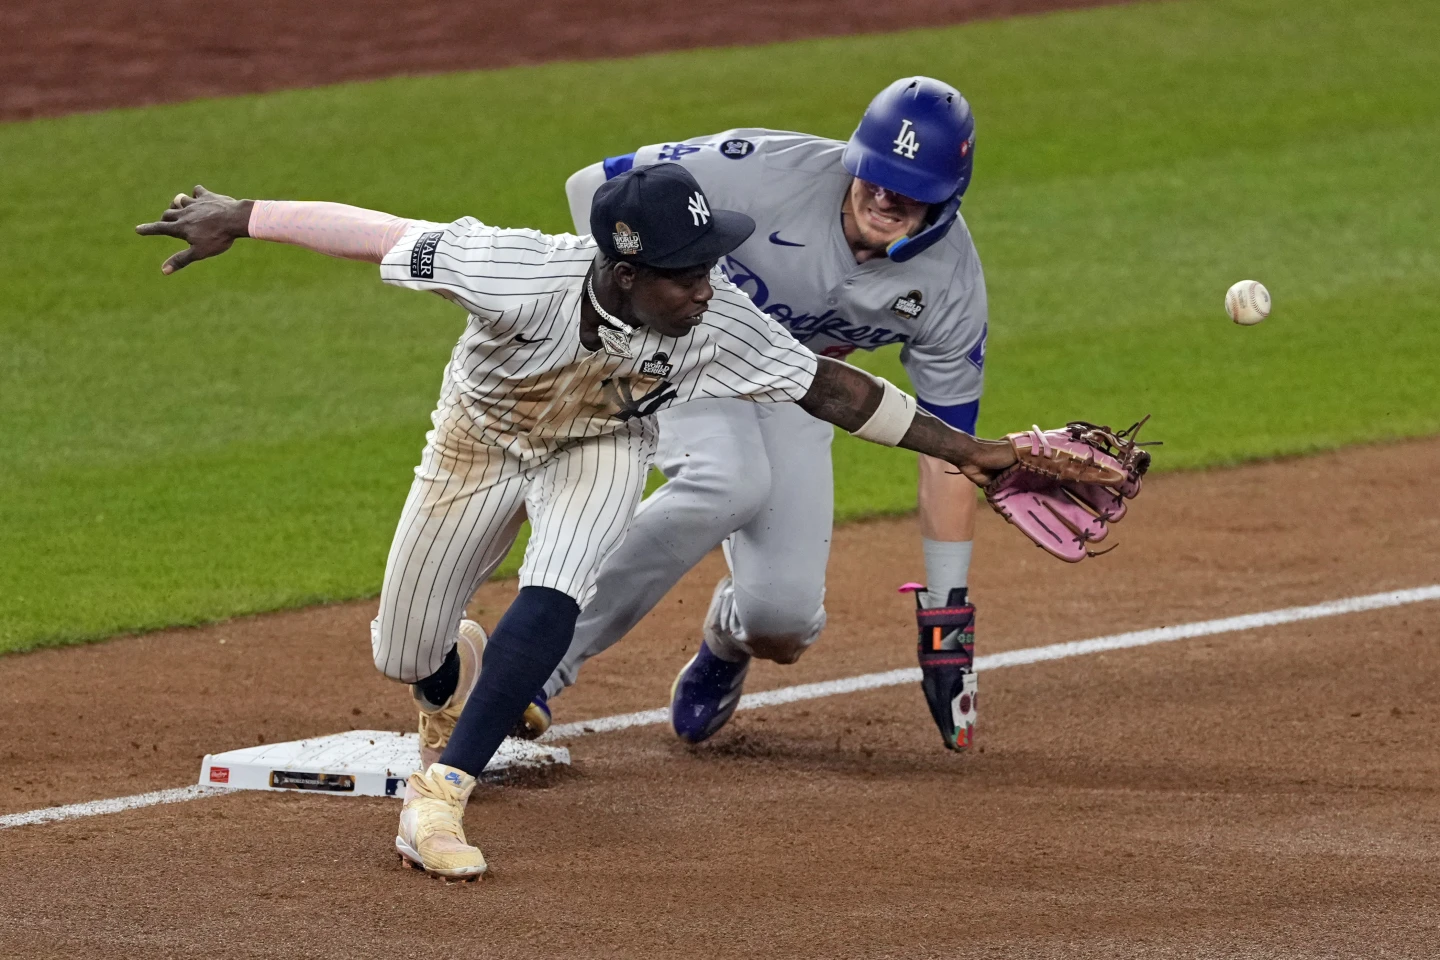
x=851 y=399
x=211 y=222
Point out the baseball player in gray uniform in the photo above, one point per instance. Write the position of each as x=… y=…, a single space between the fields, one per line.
x=572 y=345
x=859 y=245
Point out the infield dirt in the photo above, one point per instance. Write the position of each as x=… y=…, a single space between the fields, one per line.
x=1272 y=793
x=1266 y=793
x=72 y=55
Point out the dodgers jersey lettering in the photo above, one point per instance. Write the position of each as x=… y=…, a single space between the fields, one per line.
x=804 y=274
x=522 y=375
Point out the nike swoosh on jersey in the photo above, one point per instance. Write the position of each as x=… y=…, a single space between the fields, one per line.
x=775 y=239
x=520 y=339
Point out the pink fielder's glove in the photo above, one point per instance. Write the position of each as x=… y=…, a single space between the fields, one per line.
x=1069 y=485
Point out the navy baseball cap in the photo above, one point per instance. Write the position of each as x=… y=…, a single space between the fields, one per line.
x=659 y=216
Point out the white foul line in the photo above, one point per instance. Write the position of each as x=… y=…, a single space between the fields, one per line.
x=1013 y=658
x=830 y=688
x=49 y=814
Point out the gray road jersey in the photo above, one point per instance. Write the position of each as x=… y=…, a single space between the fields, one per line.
x=798 y=268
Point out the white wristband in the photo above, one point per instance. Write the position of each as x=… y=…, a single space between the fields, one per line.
x=891 y=420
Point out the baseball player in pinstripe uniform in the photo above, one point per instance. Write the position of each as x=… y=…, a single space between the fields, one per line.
x=859 y=245
x=547 y=408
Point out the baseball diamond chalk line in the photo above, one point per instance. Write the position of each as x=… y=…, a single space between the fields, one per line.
x=113 y=805
x=830 y=688
x=1013 y=658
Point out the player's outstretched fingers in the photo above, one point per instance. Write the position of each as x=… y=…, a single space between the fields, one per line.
x=160 y=228
x=209 y=224
x=165 y=228
x=183 y=258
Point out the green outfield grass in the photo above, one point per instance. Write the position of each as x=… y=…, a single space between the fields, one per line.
x=239 y=437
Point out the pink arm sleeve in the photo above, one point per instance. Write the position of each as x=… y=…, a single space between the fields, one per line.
x=334 y=229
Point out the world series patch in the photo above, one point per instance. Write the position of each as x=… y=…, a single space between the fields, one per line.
x=422 y=256
x=908 y=306
x=627 y=241
x=657 y=366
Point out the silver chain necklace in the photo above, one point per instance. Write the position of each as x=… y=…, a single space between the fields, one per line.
x=616 y=342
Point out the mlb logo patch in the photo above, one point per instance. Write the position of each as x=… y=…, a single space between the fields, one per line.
x=627 y=241
x=908 y=306
x=736 y=149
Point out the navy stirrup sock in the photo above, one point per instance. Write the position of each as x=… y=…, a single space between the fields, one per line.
x=526 y=647
x=440 y=686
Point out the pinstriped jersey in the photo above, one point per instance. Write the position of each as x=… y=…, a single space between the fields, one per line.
x=522 y=375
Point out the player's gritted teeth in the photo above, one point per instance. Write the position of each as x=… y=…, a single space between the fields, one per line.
x=883 y=216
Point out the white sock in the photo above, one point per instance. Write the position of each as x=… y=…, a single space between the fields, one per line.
x=947 y=566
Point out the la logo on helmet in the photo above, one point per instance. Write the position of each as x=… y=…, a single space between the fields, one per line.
x=699 y=210
x=906 y=144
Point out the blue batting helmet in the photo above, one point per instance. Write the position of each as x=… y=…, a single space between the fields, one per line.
x=917 y=138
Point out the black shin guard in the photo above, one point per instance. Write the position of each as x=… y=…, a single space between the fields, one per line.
x=527 y=645
x=947 y=666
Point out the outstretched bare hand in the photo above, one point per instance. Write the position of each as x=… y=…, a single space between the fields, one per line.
x=208 y=222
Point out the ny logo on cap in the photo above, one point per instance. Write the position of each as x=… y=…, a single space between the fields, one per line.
x=699 y=209
x=906 y=144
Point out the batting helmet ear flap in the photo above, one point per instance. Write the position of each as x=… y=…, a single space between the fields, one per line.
x=907 y=247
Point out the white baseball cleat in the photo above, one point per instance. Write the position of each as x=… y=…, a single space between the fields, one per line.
x=436 y=724
x=432 y=824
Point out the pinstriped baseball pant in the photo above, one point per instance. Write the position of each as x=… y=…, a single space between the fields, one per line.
x=463 y=513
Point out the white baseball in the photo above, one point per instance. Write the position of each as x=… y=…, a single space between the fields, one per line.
x=1247 y=302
